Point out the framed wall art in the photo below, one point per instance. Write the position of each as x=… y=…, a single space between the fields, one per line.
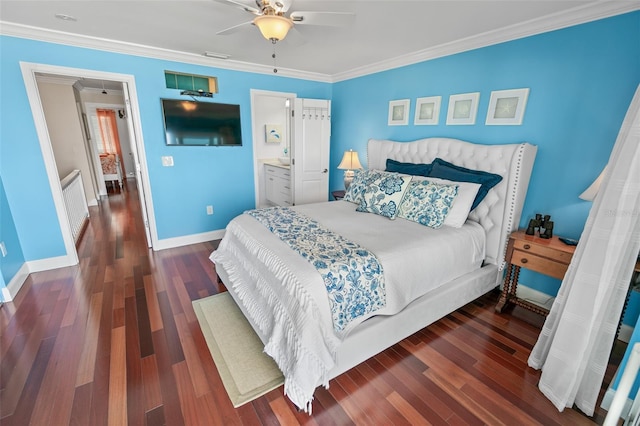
x=506 y=107
x=273 y=133
x=427 y=111
x=399 y=112
x=463 y=109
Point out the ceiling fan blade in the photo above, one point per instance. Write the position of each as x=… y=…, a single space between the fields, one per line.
x=330 y=19
x=294 y=38
x=235 y=28
x=244 y=5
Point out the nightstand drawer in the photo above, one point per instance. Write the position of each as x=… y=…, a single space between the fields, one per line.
x=539 y=264
x=537 y=249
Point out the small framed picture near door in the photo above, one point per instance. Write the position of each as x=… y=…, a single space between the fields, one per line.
x=463 y=108
x=273 y=133
x=399 y=112
x=506 y=107
x=427 y=111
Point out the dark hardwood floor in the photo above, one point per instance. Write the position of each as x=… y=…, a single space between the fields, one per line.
x=114 y=340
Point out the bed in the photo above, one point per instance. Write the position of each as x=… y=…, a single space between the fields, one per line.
x=284 y=296
x=111 y=170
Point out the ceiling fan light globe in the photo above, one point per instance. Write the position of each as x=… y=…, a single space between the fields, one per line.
x=273 y=27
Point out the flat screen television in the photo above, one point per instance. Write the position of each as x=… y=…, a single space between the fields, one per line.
x=201 y=123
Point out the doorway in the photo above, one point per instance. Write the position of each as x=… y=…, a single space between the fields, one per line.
x=30 y=72
x=268 y=107
x=121 y=146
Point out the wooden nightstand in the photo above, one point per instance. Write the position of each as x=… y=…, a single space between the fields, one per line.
x=338 y=195
x=546 y=256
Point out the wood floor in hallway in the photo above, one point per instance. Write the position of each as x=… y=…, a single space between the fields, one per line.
x=114 y=341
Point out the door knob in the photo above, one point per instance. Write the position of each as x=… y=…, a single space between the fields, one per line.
x=325 y=171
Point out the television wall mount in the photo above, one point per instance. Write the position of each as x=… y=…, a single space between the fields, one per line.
x=200 y=93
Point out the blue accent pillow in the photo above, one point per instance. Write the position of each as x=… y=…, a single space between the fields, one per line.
x=444 y=170
x=413 y=169
x=427 y=203
x=384 y=195
x=361 y=180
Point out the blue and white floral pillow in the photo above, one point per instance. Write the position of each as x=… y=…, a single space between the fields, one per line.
x=384 y=194
x=427 y=203
x=361 y=180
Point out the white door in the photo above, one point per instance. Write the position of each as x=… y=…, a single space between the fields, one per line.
x=310 y=150
x=136 y=161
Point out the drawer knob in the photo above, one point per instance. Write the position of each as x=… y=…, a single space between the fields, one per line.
x=524 y=260
x=527 y=246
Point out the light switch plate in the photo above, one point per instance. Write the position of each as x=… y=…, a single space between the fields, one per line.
x=167 y=161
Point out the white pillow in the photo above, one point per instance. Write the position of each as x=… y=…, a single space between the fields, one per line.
x=462 y=204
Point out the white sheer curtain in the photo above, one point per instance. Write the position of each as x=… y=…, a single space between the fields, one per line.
x=574 y=345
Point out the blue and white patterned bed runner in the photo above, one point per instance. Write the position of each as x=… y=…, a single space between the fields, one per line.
x=351 y=274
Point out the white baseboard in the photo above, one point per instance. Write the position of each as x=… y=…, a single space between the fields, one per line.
x=535 y=296
x=168 y=243
x=16 y=283
x=50 y=263
x=6 y=295
x=32 y=266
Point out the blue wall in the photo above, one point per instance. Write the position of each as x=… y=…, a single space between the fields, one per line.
x=581 y=82
x=14 y=260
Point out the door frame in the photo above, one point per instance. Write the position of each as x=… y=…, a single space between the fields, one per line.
x=29 y=71
x=255 y=130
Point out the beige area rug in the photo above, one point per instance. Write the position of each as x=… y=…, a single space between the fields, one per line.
x=246 y=371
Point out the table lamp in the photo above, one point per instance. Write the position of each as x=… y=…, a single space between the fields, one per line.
x=349 y=163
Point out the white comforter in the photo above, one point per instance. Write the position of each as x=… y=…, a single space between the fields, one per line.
x=286 y=299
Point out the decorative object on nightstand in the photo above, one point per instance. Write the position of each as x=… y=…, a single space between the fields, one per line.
x=349 y=163
x=542 y=225
x=534 y=225
x=548 y=256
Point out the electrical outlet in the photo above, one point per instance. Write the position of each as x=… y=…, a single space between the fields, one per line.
x=209 y=210
x=3 y=249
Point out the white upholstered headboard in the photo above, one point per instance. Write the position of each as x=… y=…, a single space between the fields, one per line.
x=499 y=213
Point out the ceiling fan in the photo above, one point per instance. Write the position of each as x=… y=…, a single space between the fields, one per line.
x=274 y=23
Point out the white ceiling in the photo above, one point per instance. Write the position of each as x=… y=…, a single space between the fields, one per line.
x=384 y=34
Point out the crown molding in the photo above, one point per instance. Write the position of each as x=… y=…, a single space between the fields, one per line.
x=76 y=40
x=565 y=19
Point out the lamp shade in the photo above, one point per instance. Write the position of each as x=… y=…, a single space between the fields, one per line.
x=350 y=161
x=590 y=193
x=273 y=27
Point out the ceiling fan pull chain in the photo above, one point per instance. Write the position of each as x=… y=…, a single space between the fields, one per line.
x=273 y=55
